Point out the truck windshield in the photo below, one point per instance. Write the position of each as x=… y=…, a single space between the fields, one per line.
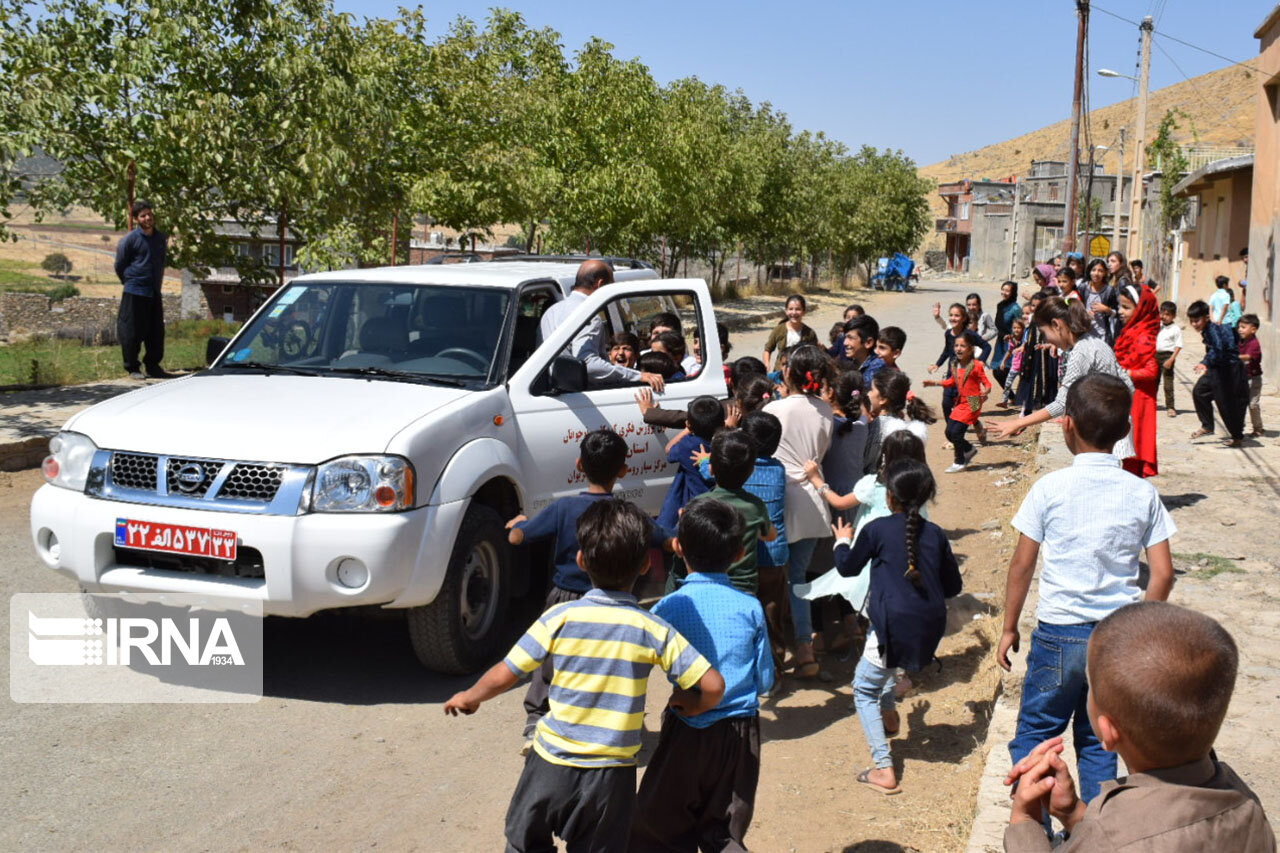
x=376 y=331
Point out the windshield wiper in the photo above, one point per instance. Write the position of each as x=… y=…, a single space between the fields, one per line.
x=269 y=368
x=399 y=375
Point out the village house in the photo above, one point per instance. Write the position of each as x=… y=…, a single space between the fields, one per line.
x=229 y=296
x=1214 y=230
x=1264 y=213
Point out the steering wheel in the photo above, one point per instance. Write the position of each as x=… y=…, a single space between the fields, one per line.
x=477 y=360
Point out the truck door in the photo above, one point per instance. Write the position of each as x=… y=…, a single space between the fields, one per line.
x=550 y=425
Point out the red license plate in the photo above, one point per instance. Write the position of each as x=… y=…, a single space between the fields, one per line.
x=176 y=539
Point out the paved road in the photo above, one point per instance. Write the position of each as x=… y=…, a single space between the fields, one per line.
x=348 y=747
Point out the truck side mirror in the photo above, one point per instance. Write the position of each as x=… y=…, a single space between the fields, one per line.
x=213 y=348
x=568 y=375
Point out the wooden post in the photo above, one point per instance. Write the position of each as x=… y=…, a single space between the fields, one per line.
x=395 y=235
x=284 y=223
x=1073 y=158
x=132 y=172
x=1134 y=245
x=1119 y=200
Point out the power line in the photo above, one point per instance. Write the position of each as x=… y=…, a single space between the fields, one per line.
x=1178 y=40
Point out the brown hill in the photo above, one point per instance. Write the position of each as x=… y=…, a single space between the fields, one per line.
x=1219 y=109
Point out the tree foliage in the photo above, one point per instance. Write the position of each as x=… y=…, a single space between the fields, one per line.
x=260 y=112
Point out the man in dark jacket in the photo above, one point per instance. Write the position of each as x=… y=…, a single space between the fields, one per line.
x=140 y=259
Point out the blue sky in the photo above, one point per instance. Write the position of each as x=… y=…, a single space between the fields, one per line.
x=932 y=77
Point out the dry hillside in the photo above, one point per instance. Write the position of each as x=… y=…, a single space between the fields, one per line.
x=1219 y=106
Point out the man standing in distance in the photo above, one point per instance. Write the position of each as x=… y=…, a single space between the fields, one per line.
x=588 y=344
x=140 y=259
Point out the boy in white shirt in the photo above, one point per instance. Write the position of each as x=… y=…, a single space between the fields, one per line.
x=1093 y=520
x=1168 y=345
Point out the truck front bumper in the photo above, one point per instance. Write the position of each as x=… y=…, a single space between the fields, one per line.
x=406 y=554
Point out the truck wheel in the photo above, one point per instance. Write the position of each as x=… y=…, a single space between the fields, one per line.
x=464 y=628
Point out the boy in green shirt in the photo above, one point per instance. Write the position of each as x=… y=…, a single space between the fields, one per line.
x=733 y=458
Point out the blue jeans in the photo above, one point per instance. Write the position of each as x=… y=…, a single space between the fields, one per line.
x=872 y=695
x=797 y=566
x=1055 y=691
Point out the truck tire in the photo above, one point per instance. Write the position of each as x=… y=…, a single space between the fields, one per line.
x=465 y=627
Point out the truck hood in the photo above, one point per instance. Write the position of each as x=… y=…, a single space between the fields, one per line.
x=275 y=418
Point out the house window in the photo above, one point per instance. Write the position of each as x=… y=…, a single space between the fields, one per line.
x=964 y=210
x=1221 y=220
x=242 y=250
x=1053 y=192
x=228 y=289
x=271 y=254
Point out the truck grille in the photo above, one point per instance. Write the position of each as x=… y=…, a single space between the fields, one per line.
x=181 y=476
x=250 y=482
x=134 y=471
x=248 y=563
x=133 y=476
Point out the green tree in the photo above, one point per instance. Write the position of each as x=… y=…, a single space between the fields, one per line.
x=886 y=207
x=56 y=263
x=1166 y=155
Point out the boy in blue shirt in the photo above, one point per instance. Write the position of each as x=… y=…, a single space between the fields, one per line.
x=698 y=790
x=602 y=459
x=704 y=418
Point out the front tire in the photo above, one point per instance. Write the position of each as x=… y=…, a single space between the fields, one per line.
x=464 y=627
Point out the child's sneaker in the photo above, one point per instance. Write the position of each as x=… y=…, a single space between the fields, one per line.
x=956 y=467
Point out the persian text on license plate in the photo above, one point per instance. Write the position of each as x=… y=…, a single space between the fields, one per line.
x=176 y=539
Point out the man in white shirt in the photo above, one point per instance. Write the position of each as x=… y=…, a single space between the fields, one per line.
x=588 y=345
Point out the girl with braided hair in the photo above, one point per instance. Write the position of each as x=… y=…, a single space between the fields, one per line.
x=807 y=425
x=913 y=572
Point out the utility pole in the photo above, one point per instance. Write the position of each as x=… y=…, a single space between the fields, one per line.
x=1088 y=200
x=1073 y=162
x=1134 y=245
x=1119 y=197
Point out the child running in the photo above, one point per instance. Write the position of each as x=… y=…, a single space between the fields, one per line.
x=870 y=498
x=699 y=787
x=704 y=418
x=913 y=572
x=895 y=407
x=791 y=332
x=1013 y=360
x=972 y=387
x=1093 y=520
x=957 y=325
x=602 y=459
x=579 y=780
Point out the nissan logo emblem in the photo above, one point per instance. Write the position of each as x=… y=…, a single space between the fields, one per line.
x=190 y=476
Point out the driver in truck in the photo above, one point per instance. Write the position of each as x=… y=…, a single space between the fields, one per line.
x=588 y=345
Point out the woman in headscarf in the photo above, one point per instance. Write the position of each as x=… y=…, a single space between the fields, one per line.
x=1136 y=353
x=1045 y=278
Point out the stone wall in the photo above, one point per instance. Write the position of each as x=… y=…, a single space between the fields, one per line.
x=25 y=314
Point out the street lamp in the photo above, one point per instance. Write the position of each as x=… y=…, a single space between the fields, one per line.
x=1107 y=72
x=1146 y=28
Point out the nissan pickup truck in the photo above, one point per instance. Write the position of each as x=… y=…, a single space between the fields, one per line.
x=361 y=441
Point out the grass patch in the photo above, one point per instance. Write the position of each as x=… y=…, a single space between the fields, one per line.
x=23 y=277
x=1202 y=566
x=59 y=361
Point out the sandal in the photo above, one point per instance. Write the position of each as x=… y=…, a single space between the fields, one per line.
x=1233 y=442
x=807 y=670
x=1201 y=432
x=865 y=778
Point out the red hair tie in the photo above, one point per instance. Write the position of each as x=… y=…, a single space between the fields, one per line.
x=811 y=384
x=911 y=395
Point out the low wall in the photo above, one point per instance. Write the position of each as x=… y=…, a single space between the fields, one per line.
x=23 y=314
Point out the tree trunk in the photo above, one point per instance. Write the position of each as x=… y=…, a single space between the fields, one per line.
x=528 y=243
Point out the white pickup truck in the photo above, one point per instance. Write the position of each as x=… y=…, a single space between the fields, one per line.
x=361 y=441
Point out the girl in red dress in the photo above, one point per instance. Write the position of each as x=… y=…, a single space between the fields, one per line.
x=972 y=387
x=1136 y=353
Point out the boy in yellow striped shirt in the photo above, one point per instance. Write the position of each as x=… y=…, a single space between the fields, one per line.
x=579 y=779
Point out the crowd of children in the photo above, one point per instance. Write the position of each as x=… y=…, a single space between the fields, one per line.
x=832 y=442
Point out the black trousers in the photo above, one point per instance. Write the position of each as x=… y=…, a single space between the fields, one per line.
x=1228 y=389
x=141 y=321
x=536 y=704
x=589 y=808
x=699 y=790
x=955 y=434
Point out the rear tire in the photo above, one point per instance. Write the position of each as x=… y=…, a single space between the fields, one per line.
x=466 y=625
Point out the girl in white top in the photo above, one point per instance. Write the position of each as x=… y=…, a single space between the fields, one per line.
x=806 y=434
x=897 y=407
x=986 y=324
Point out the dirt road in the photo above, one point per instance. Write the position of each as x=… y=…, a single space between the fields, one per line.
x=349 y=747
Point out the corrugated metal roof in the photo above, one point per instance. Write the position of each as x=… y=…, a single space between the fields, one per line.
x=1217 y=167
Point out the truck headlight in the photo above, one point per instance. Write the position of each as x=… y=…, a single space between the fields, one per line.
x=363 y=484
x=67 y=464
